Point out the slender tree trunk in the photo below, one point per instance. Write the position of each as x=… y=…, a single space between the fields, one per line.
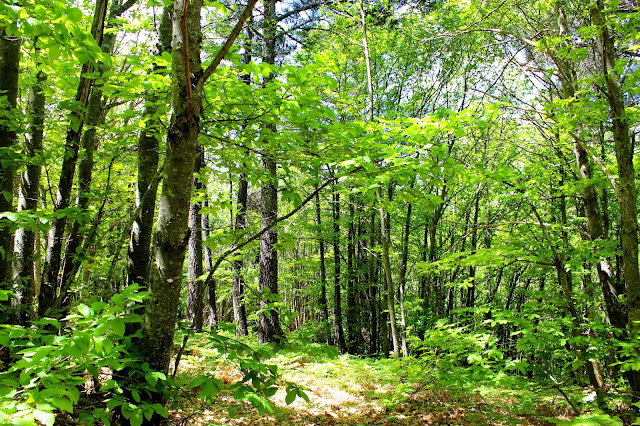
x=337 y=287
x=239 y=309
x=403 y=278
x=237 y=291
x=471 y=291
x=372 y=282
x=9 y=72
x=95 y=117
x=615 y=310
x=425 y=291
x=195 y=304
x=53 y=256
x=25 y=255
x=324 y=308
x=208 y=261
x=139 y=251
x=626 y=175
x=353 y=331
x=387 y=277
x=269 y=330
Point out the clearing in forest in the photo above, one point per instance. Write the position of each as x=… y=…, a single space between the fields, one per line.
x=349 y=390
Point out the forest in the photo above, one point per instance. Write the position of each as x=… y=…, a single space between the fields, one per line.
x=319 y=212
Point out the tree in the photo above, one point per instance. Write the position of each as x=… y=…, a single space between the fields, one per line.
x=269 y=330
x=9 y=71
x=48 y=291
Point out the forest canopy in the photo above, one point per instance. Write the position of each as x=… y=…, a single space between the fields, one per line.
x=442 y=182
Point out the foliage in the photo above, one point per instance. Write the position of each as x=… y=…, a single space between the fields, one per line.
x=54 y=364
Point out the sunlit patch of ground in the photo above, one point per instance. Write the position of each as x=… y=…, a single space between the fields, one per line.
x=349 y=391
x=345 y=390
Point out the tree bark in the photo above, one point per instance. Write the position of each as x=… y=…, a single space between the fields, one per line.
x=402 y=278
x=139 y=251
x=387 y=277
x=239 y=309
x=337 y=288
x=373 y=287
x=49 y=287
x=615 y=310
x=172 y=234
x=626 y=175
x=195 y=304
x=9 y=72
x=25 y=255
x=324 y=309
x=353 y=331
x=269 y=330
x=95 y=117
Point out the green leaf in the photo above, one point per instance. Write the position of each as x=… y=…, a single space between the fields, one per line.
x=54 y=52
x=74 y=123
x=197 y=381
x=291 y=396
x=160 y=410
x=118 y=326
x=62 y=404
x=331 y=82
x=84 y=310
x=151 y=378
x=269 y=392
x=303 y=395
x=137 y=416
x=221 y=8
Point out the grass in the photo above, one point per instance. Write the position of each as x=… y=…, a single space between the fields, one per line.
x=349 y=390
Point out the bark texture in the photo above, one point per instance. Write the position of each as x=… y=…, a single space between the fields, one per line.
x=195 y=303
x=53 y=255
x=239 y=310
x=9 y=71
x=269 y=330
x=172 y=230
x=626 y=174
x=24 y=272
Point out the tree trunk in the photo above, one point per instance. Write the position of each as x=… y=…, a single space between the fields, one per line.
x=372 y=282
x=387 y=277
x=95 y=117
x=172 y=230
x=353 y=331
x=324 y=309
x=269 y=330
x=239 y=309
x=25 y=255
x=237 y=290
x=626 y=175
x=9 y=72
x=195 y=305
x=49 y=287
x=615 y=310
x=139 y=251
x=337 y=288
x=403 y=278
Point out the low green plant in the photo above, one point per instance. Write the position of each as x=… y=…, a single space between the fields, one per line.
x=54 y=362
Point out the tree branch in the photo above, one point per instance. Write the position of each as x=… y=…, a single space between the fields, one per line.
x=227 y=45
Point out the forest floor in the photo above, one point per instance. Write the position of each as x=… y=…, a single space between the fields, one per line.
x=348 y=390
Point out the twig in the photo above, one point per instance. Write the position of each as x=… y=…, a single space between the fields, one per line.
x=179 y=354
x=556 y=385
